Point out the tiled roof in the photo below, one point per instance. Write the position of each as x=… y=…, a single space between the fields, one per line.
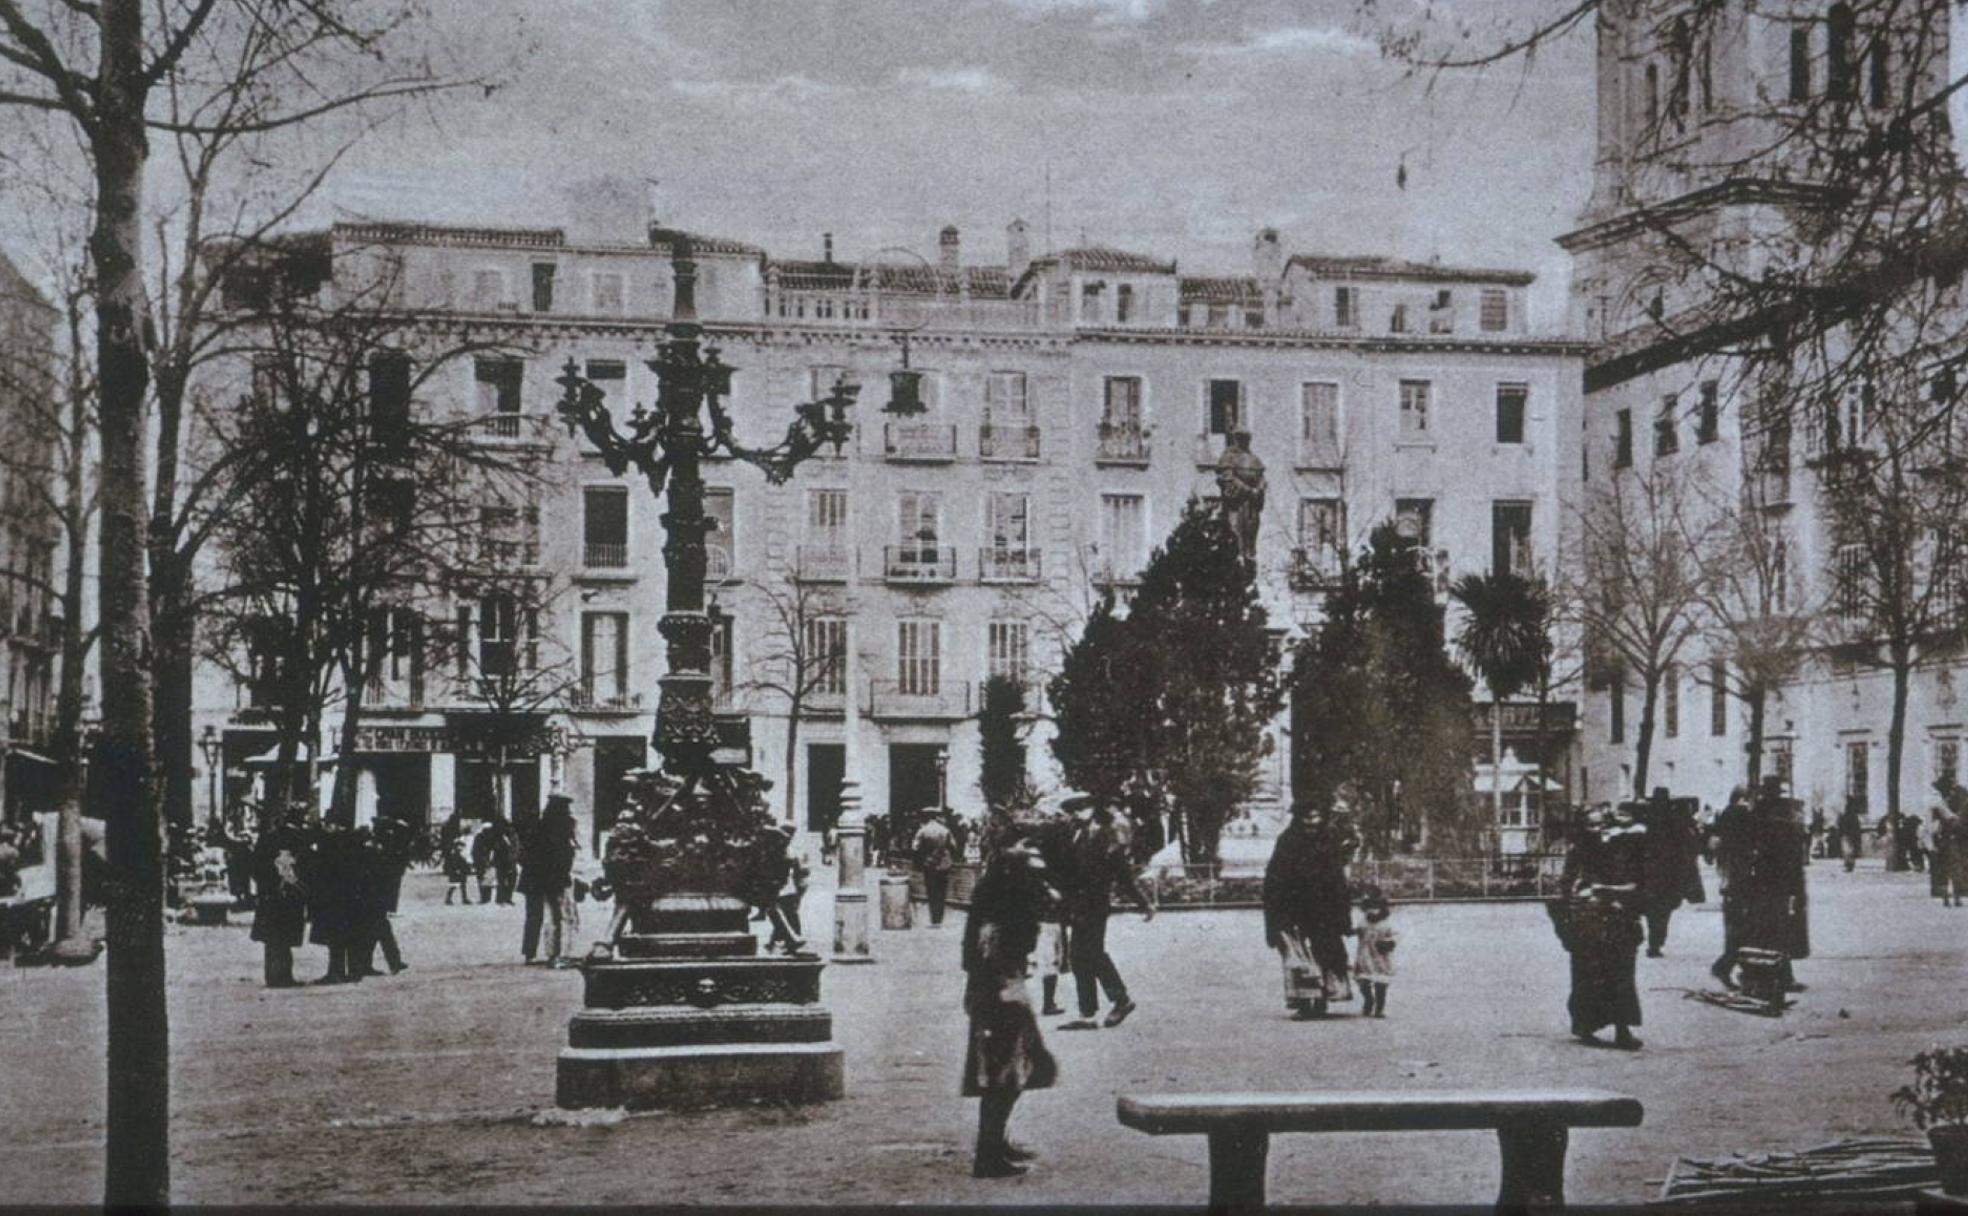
x=1210 y=290
x=1101 y=257
x=1397 y=268
x=797 y=275
x=397 y=232
x=659 y=238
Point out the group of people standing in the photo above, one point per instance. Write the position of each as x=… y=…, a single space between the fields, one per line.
x=331 y=885
x=1308 y=915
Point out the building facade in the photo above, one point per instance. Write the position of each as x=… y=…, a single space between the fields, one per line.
x=1715 y=131
x=1027 y=432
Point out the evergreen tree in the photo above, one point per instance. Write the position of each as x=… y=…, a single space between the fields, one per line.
x=1098 y=710
x=1001 y=776
x=1380 y=714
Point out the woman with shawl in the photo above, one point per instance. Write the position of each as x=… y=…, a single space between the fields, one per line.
x=1308 y=911
x=1006 y=1055
x=1600 y=926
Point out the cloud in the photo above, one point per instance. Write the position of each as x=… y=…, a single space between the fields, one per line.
x=782 y=88
x=954 y=79
x=1101 y=10
x=1294 y=40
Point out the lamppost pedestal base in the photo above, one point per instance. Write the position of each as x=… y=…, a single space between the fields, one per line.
x=851 y=927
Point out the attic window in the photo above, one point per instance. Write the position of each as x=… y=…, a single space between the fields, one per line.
x=1494 y=314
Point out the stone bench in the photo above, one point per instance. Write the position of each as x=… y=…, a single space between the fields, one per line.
x=209 y=909
x=1532 y=1127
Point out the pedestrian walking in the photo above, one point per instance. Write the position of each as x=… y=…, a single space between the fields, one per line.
x=959 y=833
x=935 y=852
x=1851 y=830
x=1308 y=911
x=787 y=929
x=766 y=877
x=1598 y=922
x=456 y=861
x=280 y=903
x=385 y=858
x=1005 y=1054
x=1767 y=888
x=1101 y=859
x=1948 y=875
x=555 y=842
x=1671 y=875
x=1373 y=959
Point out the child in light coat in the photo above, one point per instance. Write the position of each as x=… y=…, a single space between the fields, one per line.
x=1373 y=958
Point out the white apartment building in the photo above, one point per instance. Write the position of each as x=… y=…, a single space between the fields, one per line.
x=1070 y=403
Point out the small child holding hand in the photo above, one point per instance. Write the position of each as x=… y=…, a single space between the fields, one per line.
x=1373 y=958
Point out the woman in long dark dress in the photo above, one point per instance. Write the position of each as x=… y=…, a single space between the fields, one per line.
x=1006 y=1055
x=1308 y=911
x=1602 y=929
x=280 y=902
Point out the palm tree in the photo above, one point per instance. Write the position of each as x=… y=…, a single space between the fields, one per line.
x=1506 y=638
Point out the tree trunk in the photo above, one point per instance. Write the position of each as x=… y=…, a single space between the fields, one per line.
x=1759 y=699
x=1643 y=740
x=1496 y=763
x=792 y=754
x=137 y=1114
x=70 y=946
x=341 y=802
x=171 y=714
x=1896 y=738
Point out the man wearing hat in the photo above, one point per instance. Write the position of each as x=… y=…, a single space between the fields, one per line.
x=1101 y=853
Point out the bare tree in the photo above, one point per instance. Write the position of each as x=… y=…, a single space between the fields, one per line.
x=1640 y=590
x=803 y=658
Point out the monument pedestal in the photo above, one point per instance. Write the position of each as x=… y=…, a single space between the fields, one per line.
x=690 y=1014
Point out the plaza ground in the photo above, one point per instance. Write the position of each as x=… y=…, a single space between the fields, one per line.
x=437 y=1085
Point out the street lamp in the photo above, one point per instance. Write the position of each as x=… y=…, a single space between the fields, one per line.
x=668 y=446
x=210 y=745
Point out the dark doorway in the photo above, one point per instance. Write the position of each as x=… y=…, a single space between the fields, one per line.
x=475 y=787
x=614 y=759
x=912 y=784
x=826 y=766
x=402 y=787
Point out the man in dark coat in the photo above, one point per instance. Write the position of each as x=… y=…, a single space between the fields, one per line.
x=1671 y=874
x=546 y=870
x=331 y=878
x=1851 y=830
x=1308 y=910
x=384 y=860
x=1770 y=888
x=280 y=902
x=1101 y=849
x=1732 y=832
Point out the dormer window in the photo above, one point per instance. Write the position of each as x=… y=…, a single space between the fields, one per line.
x=1494 y=311
x=1398 y=322
x=1345 y=307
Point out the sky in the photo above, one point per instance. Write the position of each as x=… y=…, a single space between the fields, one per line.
x=1174 y=127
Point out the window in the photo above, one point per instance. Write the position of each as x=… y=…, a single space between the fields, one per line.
x=1671 y=700
x=1667 y=440
x=1780 y=573
x=389 y=393
x=488 y=290
x=509 y=535
x=1781 y=762
x=1005 y=402
x=605 y=292
x=1841 y=66
x=605 y=371
x=1124 y=303
x=1414 y=518
x=1858 y=776
x=543 y=286
x=498 y=635
x=1007 y=521
x=919 y=658
x=724 y=649
x=1851 y=580
x=826 y=517
x=1493 y=310
x=721 y=542
x=1226 y=407
x=1718 y=698
x=1217 y=316
x=392 y=506
x=1879 y=90
x=1441 y=313
x=1345 y=307
x=1397 y=321
x=500 y=382
x=1616 y=706
x=1414 y=409
x=825 y=645
x=1318 y=416
x=1010 y=650
x=1121 y=404
x=1800 y=62
x=1510 y=412
x=1681 y=54
x=1653 y=101
x=605 y=527
x=1622 y=439
x=1510 y=538
x=1123 y=534
x=604 y=656
x=1322 y=533
x=918 y=517
x=1704 y=74
x=1708 y=414
x=1090 y=301
x=1947 y=760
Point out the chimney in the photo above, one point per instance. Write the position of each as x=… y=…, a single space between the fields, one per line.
x=1018 y=248
x=948 y=248
x=827 y=247
x=1267 y=258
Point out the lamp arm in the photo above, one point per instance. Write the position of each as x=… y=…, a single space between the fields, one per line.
x=809 y=429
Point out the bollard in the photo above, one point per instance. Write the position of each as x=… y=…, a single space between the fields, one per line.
x=896 y=911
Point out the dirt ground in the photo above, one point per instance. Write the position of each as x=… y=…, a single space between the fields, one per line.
x=437 y=1085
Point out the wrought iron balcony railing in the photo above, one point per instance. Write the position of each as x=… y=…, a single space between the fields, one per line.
x=599 y=555
x=1314 y=569
x=919 y=564
x=920 y=441
x=823 y=563
x=1008 y=443
x=1123 y=445
x=921 y=698
x=996 y=565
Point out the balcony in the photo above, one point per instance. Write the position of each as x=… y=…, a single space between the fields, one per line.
x=32 y=727
x=1527 y=720
x=934 y=700
x=1770 y=488
x=502 y=554
x=823 y=563
x=925 y=442
x=1110 y=573
x=1009 y=565
x=591 y=701
x=1122 y=445
x=600 y=555
x=871 y=308
x=1008 y=443
x=1320 y=454
x=510 y=428
x=919 y=564
x=1314 y=569
x=384 y=694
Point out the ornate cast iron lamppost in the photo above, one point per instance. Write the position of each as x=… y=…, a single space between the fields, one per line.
x=682 y=1009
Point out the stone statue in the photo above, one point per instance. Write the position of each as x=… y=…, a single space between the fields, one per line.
x=1240 y=480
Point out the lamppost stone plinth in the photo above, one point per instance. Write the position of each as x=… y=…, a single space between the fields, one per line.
x=680 y=1009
